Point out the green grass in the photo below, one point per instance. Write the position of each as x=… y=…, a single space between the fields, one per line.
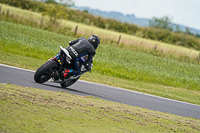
x=31 y=42
x=137 y=66
x=111 y=37
x=24 y=109
x=29 y=48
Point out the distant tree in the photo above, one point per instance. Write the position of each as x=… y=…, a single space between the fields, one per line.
x=67 y=3
x=187 y=31
x=86 y=11
x=163 y=23
x=178 y=29
x=55 y=11
x=50 y=1
x=198 y=35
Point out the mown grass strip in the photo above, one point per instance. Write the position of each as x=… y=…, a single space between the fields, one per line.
x=25 y=109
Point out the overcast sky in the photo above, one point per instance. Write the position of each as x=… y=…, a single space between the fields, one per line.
x=184 y=12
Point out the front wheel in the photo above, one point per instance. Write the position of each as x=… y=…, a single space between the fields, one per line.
x=69 y=82
x=43 y=73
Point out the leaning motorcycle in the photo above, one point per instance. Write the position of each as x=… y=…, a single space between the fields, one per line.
x=53 y=69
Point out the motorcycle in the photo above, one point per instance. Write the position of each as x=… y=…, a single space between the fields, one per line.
x=52 y=70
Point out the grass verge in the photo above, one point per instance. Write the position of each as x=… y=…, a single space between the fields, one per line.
x=25 y=109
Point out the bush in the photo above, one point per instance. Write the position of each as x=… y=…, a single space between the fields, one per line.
x=25 y=4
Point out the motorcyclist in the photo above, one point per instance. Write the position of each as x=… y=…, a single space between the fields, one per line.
x=77 y=49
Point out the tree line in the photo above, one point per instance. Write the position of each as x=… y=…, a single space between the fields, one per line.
x=160 y=29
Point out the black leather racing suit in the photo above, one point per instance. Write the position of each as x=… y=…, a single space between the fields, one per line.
x=79 y=48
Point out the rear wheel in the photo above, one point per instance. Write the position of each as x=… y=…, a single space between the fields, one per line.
x=69 y=82
x=43 y=73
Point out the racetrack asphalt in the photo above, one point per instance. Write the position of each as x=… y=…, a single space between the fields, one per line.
x=24 y=77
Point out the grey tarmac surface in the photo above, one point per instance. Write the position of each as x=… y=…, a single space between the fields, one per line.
x=24 y=77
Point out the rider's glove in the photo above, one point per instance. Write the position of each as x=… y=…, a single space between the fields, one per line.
x=87 y=67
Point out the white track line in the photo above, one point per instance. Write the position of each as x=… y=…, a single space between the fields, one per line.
x=16 y=68
x=103 y=85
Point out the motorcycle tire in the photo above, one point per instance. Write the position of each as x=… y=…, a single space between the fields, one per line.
x=44 y=72
x=69 y=82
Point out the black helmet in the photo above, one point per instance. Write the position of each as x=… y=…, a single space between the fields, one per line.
x=94 y=40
